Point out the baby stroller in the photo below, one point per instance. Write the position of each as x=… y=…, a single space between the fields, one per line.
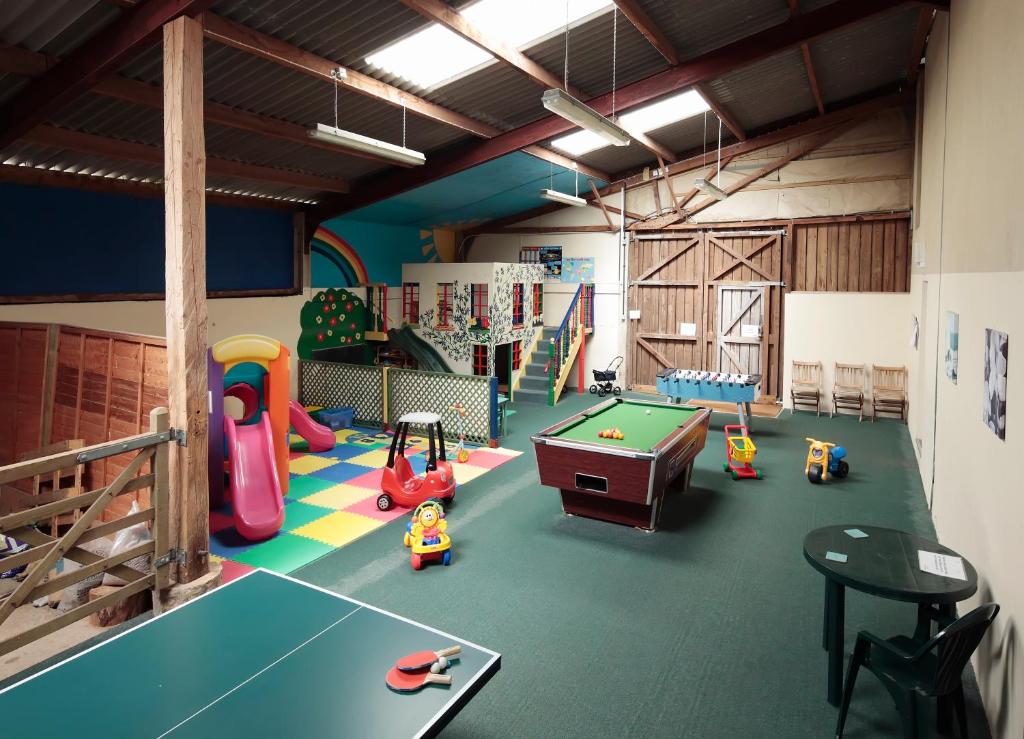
x=604 y=380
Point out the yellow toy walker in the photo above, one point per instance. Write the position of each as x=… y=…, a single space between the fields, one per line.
x=425 y=535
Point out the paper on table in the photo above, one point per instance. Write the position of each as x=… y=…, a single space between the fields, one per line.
x=855 y=533
x=941 y=564
x=836 y=556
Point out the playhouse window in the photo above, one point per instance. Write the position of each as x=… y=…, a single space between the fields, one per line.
x=480 y=307
x=444 y=304
x=517 y=304
x=517 y=354
x=411 y=302
x=480 y=359
x=538 y=302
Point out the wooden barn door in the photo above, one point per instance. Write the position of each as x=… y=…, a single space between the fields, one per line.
x=741 y=347
x=751 y=262
x=666 y=305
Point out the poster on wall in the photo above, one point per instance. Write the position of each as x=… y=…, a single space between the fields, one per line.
x=578 y=269
x=952 y=344
x=997 y=351
x=549 y=256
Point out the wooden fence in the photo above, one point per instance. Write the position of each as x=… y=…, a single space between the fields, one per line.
x=146 y=469
x=852 y=256
x=63 y=382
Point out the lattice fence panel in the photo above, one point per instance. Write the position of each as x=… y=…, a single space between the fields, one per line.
x=410 y=391
x=332 y=384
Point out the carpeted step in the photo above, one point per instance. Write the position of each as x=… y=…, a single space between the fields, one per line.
x=528 y=382
x=525 y=395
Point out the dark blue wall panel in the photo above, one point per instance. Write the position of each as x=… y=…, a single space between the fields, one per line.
x=58 y=241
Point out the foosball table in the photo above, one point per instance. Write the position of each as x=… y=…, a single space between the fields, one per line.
x=681 y=385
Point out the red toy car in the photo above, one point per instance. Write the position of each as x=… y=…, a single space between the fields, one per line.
x=399 y=484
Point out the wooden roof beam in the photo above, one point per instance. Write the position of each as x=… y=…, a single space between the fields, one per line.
x=136 y=29
x=925 y=17
x=281 y=52
x=643 y=23
x=709 y=66
x=15 y=60
x=87 y=143
x=778 y=136
x=805 y=51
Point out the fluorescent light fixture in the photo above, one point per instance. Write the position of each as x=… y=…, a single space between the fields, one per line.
x=563 y=104
x=648 y=118
x=562 y=197
x=709 y=188
x=348 y=140
x=435 y=55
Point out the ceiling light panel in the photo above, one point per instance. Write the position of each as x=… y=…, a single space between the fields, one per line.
x=435 y=56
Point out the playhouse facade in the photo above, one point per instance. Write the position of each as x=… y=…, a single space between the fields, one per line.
x=482 y=318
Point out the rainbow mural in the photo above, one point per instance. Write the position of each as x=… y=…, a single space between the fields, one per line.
x=341 y=255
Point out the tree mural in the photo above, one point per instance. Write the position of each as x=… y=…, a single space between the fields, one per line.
x=332 y=318
x=453 y=341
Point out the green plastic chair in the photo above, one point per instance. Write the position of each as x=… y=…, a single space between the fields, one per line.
x=909 y=669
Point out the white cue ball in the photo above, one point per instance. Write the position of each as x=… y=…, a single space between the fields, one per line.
x=648 y=412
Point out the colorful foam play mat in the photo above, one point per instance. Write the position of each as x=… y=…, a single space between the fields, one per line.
x=332 y=501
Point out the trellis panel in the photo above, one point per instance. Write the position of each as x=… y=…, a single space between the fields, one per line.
x=411 y=391
x=333 y=384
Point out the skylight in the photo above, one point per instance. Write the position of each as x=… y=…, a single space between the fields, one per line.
x=641 y=120
x=436 y=55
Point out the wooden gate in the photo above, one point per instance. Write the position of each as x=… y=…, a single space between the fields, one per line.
x=674 y=281
x=740 y=327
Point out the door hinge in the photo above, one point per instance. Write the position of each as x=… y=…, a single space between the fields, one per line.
x=177 y=556
x=180 y=436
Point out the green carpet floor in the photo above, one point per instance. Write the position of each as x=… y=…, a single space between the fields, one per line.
x=710 y=627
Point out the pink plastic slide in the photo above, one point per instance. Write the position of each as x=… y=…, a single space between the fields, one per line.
x=320 y=438
x=255 y=487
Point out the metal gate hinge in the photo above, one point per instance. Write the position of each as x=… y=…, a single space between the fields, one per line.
x=173 y=555
x=180 y=436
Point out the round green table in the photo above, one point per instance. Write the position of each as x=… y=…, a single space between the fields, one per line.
x=884 y=563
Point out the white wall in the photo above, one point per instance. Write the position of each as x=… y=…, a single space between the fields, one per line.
x=971 y=239
x=274 y=317
x=852 y=328
x=865 y=169
x=608 y=339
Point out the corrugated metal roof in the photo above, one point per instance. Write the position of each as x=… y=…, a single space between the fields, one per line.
x=848 y=63
x=55 y=26
x=773 y=89
x=696 y=27
x=866 y=56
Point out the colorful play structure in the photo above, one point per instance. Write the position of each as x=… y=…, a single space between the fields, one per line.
x=253 y=449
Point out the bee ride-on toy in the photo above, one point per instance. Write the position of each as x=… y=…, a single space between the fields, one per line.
x=399 y=484
x=739 y=453
x=823 y=459
x=425 y=536
x=604 y=380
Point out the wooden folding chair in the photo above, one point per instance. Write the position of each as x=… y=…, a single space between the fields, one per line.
x=805 y=388
x=888 y=391
x=848 y=389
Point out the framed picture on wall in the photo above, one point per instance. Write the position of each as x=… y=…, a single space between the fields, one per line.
x=952 y=344
x=997 y=352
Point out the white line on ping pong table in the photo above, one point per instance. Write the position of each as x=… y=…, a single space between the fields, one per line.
x=256 y=675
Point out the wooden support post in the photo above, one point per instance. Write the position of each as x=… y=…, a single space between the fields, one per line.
x=185 y=222
x=581 y=360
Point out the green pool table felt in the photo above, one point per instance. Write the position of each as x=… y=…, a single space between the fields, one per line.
x=641 y=430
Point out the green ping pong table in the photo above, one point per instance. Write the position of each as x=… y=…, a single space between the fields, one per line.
x=265 y=655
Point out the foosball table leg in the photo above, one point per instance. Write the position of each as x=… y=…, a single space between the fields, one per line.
x=743 y=410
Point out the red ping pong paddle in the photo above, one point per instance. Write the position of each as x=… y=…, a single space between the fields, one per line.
x=410 y=682
x=421 y=660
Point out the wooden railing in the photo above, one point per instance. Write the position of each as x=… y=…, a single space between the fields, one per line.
x=566 y=343
x=27 y=522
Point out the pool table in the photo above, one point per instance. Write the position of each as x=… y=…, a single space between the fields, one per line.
x=621 y=480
